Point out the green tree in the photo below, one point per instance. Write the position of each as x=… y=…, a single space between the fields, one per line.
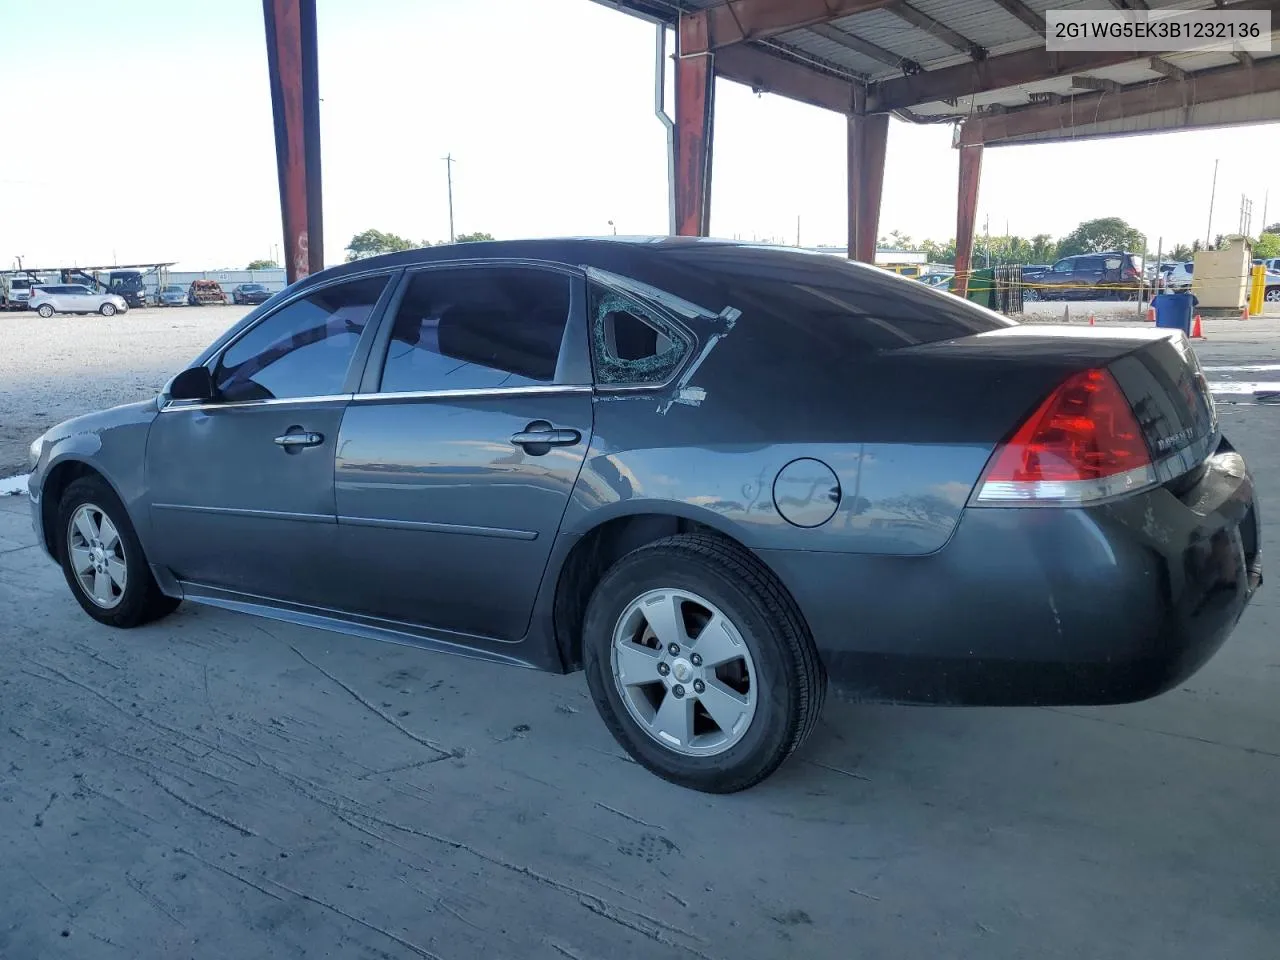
x=1043 y=249
x=939 y=252
x=472 y=237
x=370 y=243
x=899 y=240
x=1272 y=227
x=1180 y=253
x=262 y=265
x=1105 y=233
x=1268 y=246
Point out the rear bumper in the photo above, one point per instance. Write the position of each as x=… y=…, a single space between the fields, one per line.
x=1026 y=606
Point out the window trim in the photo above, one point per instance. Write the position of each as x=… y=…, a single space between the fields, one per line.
x=573 y=365
x=214 y=352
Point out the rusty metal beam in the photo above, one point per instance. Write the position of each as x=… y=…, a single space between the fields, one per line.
x=295 y=105
x=967 y=211
x=940 y=31
x=1024 y=13
x=1136 y=100
x=766 y=73
x=695 y=114
x=737 y=21
x=868 y=138
x=983 y=76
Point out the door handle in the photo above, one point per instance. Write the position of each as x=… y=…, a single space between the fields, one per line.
x=542 y=434
x=292 y=441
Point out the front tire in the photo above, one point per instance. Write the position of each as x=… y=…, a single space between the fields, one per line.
x=45 y=311
x=102 y=558
x=107 y=310
x=700 y=663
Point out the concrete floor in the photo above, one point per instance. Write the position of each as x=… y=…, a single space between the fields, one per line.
x=216 y=786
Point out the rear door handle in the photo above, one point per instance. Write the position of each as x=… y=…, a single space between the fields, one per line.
x=550 y=438
x=547 y=436
x=292 y=441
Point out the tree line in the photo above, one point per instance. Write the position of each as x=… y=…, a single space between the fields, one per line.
x=1092 y=236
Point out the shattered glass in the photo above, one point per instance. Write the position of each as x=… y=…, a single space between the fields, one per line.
x=613 y=369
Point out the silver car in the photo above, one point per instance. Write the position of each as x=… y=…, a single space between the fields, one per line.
x=74 y=298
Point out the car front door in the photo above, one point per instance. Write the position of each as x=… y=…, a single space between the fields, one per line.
x=457 y=458
x=241 y=487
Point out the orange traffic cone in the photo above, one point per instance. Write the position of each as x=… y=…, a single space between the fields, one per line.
x=1197 y=333
x=1244 y=312
x=1151 y=314
x=1092 y=322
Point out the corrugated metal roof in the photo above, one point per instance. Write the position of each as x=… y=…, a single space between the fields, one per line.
x=983 y=22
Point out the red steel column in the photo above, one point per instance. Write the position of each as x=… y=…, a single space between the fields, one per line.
x=695 y=115
x=868 y=138
x=295 y=105
x=967 y=211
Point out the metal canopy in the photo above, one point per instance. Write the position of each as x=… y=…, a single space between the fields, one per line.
x=982 y=63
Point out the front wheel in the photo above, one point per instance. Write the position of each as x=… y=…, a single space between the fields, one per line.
x=1272 y=295
x=45 y=310
x=700 y=663
x=102 y=558
x=107 y=310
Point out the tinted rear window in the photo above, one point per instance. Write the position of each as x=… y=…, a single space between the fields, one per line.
x=828 y=301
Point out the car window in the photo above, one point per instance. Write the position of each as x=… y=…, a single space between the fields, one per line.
x=1112 y=263
x=477 y=328
x=1086 y=264
x=300 y=350
x=629 y=343
x=1062 y=266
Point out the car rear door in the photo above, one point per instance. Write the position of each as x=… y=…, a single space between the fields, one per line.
x=457 y=457
x=241 y=488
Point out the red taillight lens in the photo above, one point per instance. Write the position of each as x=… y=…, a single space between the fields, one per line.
x=1082 y=444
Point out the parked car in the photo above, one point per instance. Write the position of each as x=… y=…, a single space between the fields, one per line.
x=1271 y=292
x=713 y=476
x=1030 y=272
x=250 y=293
x=205 y=291
x=74 y=298
x=15 y=292
x=1180 y=276
x=171 y=295
x=1108 y=275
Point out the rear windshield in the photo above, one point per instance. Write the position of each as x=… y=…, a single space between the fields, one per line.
x=829 y=301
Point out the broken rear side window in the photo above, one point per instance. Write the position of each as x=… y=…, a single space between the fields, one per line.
x=630 y=345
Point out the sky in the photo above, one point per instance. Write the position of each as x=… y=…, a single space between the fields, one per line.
x=149 y=138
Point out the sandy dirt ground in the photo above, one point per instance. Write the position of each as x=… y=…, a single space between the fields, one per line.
x=217 y=786
x=51 y=370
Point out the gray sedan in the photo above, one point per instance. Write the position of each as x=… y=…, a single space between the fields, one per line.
x=714 y=476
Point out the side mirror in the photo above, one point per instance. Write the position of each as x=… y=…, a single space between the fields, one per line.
x=193 y=384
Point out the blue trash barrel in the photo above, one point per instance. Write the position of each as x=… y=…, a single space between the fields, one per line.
x=1174 y=310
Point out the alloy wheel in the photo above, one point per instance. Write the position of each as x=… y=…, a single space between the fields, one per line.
x=97 y=556
x=684 y=672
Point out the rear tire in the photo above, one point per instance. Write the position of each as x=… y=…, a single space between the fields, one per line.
x=107 y=310
x=45 y=311
x=102 y=558
x=769 y=685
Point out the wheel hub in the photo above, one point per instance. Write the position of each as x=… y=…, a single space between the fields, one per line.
x=682 y=670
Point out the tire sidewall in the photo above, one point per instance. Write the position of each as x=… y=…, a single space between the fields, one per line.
x=774 y=724
x=138 y=573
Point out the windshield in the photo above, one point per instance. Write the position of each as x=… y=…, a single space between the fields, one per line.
x=172 y=288
x=254 y=287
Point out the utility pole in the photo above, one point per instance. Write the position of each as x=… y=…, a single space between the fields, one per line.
x=1212 y=190
x=797 y=229
x=1265 y=197
x=448 y=161
x=986 y=229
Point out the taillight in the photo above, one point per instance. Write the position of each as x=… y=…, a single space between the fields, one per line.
x=1130 y=273
x=1081 y=445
